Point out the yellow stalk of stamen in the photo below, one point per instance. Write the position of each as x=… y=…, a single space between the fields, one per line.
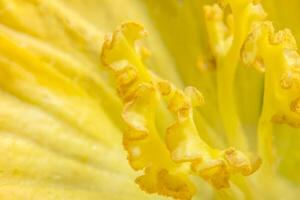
x=140 y=95
x=277 y=54
x=226 y=42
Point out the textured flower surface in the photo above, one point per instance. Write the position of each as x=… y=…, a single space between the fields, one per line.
x=205 y=107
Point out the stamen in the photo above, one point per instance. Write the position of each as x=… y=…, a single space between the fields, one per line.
x=281 y=65
x=226 y=40
x=167 y=168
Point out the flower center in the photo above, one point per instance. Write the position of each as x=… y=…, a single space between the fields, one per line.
x=167 y=163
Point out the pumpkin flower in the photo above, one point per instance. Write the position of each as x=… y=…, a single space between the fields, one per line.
x=127 y=99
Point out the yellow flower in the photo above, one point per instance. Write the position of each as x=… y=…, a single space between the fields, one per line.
x=206 y=107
